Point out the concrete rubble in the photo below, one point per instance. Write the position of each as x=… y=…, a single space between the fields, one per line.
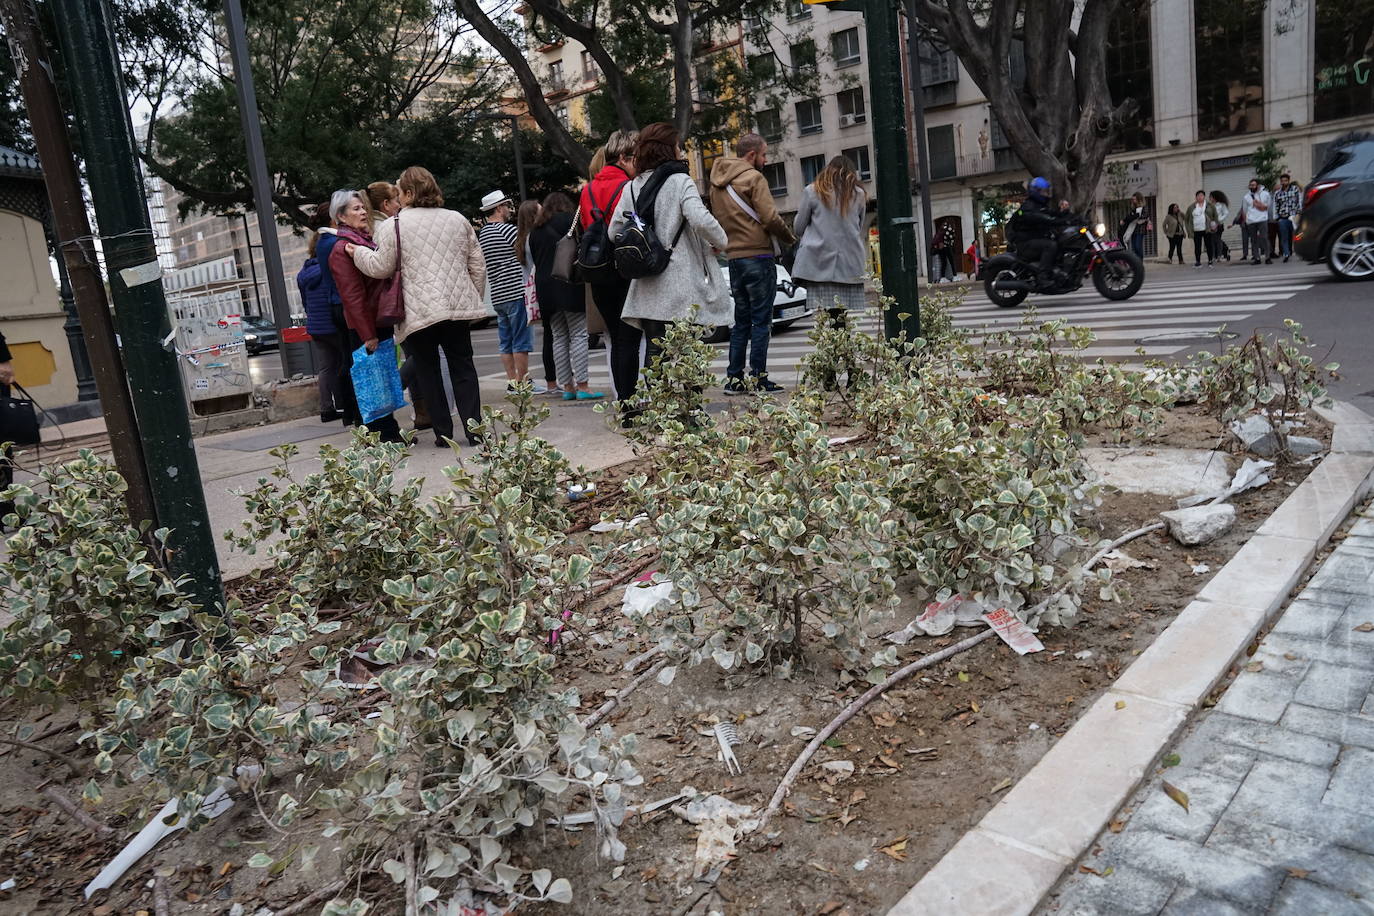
x=1200 y=524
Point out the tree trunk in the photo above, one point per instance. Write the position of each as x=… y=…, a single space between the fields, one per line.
x=684 y=109
x=560 y=138
x=1061 y=122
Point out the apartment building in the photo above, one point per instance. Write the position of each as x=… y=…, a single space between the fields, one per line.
x=805 y=133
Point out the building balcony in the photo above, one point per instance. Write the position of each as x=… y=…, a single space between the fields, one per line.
x=1002 y=160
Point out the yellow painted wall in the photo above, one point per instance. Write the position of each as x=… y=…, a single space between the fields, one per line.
x=31 y=316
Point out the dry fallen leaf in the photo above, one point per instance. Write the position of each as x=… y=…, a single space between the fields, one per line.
x=1298 y=872
x=1255 y=667
x=825 y=868
x=1004 y=784
x=884 y=719
x=829 y=907
x=1120 y=704
x=1116 y=826
x=1177 y=794
x=896 y=849
x=857 y=796
x=1365 y=627
x=973 y=704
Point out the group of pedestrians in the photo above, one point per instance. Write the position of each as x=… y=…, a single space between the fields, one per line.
x=1267 y=222
x=514 y=265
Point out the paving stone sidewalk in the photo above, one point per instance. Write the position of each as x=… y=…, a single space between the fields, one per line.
x=1279 y=777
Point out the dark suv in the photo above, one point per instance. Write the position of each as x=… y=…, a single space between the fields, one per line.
x=1337 y=222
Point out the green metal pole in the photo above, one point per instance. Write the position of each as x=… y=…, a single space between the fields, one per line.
x=87 y=35
x=896 y=228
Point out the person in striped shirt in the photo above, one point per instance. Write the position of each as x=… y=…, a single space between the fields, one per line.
x=507 y=280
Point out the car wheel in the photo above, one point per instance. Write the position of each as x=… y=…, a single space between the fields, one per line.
x=717 y=334
x=1350 y=253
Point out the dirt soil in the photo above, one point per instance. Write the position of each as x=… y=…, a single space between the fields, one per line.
x=929 y=759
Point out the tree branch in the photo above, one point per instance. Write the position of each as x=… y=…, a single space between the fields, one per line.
x=589 y=37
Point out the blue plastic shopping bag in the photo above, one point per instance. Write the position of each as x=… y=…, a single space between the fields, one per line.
x=377 y=381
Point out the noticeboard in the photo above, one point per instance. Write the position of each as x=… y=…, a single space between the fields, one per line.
x=210 y=347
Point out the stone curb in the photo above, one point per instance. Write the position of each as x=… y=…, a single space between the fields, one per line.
x=1013 y=858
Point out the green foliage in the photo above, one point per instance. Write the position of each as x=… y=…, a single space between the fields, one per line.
x=339 y=533
x=84 y=594
x=1268 y=162
x=1274 y=375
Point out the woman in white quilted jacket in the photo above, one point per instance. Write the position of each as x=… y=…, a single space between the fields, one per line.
x=443 y=275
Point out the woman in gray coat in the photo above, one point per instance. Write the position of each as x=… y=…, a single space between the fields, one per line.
x=832 y=256
x=692 y=277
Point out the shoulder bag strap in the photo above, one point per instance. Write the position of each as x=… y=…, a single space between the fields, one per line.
x=397 y=222
x=743 y=205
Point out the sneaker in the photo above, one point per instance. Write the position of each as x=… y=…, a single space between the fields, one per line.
x=767 y=385
x=1210 y=264
x=1199 y=265
x=540 y=388
x=735 y=386
x=330 y=416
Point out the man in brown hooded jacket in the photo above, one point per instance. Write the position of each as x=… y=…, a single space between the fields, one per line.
x=743 y=205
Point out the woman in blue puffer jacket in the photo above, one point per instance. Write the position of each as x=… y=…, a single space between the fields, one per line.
x=323 y=320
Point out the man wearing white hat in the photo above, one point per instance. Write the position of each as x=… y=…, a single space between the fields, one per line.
x=497 y=238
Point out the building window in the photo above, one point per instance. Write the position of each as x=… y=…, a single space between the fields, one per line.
x=811 y=167
x=1230 y=67
x=763 y=68
x=939 y=73
x=797 y=10
x=556 y=82
x=1129 y=73
x=590 y=71
x=858 y=157
x=769 y=124
x=803 y=55
x=776 y=175
x=940 y=146
x=1344 y=59
x=844 y=47
x=852 y=111
x=809 y=117
x=706 y=83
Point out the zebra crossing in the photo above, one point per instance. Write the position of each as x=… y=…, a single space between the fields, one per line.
x=1166 y=318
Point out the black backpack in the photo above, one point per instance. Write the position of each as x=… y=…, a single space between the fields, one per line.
x=638 y=251
x=595 y=255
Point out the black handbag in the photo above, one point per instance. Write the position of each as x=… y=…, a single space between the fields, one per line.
x=19 y=418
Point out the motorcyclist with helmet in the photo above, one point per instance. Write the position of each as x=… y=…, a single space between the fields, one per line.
x=1033 y=229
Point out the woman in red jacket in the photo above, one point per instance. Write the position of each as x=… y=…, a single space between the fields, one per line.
x=358 y=291
x=600 y=196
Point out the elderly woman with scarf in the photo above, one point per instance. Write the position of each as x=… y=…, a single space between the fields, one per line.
x=358 y=291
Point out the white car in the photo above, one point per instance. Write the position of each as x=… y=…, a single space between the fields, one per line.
x=789 y=304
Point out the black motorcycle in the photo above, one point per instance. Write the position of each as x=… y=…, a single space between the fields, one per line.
x=1116 y=271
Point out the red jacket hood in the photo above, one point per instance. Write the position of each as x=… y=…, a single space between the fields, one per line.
x=603 y=188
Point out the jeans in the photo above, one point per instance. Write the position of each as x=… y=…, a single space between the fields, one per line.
x=1258 y=236
x=1202 y=241
x=1176 y=245
x=623 y=339
x=513 y=334
x=1138 y=242
x=1286 y=229
x=330 y=355
x=456 y=341
x=753 y=284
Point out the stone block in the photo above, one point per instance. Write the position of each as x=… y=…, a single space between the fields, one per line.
x=1336 y=727
x=1297 y=897
x=1192 y=654
x=1280 y=848
x=1261 y=574
x=1189 y=902
x=1332 y=650
x=1163 y=471
x=1346 y=630
x=1352 y=784
x=1255 y=433
x=1213 y=757
x=1207 y=871
x=1349 y=571
x=1126 y=891
x=1335 y=687
x=1302 y=446
x=1012 y=880
x=1308 y=619
x=1280 y=663
x=1276 y=742
x=1262 y=697
x=1352 y=439
x=1323 y=501
x=1199 y=524
x=1103 y=758
x=1208 y=797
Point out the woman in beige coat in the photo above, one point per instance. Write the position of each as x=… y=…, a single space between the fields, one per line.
x=443 y=275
